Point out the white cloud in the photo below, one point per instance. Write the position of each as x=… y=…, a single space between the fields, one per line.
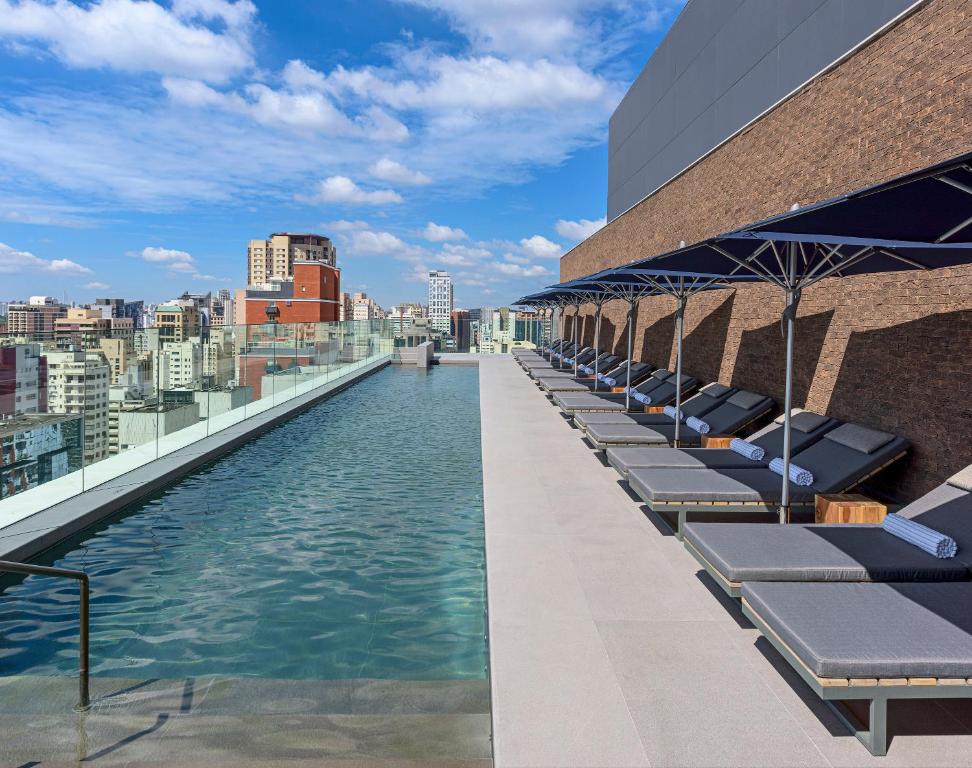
x=392 y=171
x=455 y=255
x=440 y=233
x=516 y=259
x=96 y=286
x=206 y=39
x=341 y=189
x=343 y=225
x=579 y=230
x=370 y=243
x=516 y=270
x=167 y=255
x=13 y=261
x=540 y=247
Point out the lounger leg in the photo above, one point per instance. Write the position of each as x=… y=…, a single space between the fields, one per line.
x=877 y=736
x=680 y=529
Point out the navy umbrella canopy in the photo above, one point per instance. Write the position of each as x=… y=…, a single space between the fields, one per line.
x=914 y=222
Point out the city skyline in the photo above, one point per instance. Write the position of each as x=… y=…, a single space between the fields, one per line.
x=424 y=134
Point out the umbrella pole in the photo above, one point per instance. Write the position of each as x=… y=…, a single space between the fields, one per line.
x=597 y=339
x=627 y=388
x=679 y=316
x=789 y=314
x=576 y=351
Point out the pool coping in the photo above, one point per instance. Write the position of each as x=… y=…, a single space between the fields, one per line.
x=32 y=535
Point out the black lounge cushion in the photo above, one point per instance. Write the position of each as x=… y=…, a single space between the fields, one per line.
x=758 y=552
x=629 y=434
x=806 y=421
x=746 y=400
x=860 y=438
x=947 y=509
x=871 y=630
x=715 y=389
x=624 y=459
x=727 y=486
x=836 y=467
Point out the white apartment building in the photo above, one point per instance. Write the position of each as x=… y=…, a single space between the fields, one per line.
x=78 y=382
x=273 y=259
x=401 y=316
x=181 y=364
x=440 y=300
x=364 y=308
x=497 y=330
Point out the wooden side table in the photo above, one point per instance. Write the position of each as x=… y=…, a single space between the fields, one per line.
x=716 y=441
x=847 y=508
x=654 y=409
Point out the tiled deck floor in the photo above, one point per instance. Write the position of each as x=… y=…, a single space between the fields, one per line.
x=607 y=646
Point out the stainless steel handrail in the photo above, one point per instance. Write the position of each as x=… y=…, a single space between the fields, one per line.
x=82 y=578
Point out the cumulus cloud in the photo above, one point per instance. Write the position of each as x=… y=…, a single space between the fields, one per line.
x=368 y=242
x=96 y=286
x=540 y=247
x=394 y=172
x=167 y=255
x=205 y=39
x=517 y=270
x=578 y=230
x=341 y=189
x=343 y=225
x=13 y=261
x=440 y=233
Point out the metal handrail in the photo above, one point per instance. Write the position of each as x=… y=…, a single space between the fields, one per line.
x=82 y=578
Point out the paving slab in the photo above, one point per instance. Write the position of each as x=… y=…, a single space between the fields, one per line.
x=610 y=647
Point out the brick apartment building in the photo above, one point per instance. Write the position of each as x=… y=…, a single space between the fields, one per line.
x=313 y=295
x=747 y=108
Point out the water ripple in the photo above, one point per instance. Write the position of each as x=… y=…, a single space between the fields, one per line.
x=347 y=542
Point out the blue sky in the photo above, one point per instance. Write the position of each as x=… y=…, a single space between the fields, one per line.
x=143 y=143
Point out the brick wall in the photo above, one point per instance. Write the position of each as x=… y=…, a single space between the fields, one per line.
x=890 y=351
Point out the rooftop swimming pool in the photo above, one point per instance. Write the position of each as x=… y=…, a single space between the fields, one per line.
x=346 y=543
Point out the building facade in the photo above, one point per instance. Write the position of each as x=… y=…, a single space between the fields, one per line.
x=311 y=295
x=23 y=380
x=440 y=300
x=274 y=258
x=78 y=383
x=886 y=105
x=177 y=321
x=36 y=318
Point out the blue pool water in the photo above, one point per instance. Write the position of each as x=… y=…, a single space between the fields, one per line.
x=345 y=543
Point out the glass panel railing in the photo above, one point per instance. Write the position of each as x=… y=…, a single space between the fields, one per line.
x=86 y=403
x=497 y=331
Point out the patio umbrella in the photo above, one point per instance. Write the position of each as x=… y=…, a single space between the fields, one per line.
x=596 y=294
x=909 y=223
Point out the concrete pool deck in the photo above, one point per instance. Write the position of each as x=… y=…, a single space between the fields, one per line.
x=607 y=646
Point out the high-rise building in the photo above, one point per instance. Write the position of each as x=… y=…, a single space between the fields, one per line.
x=120 y=308
x=364 y=307
x=177 y=320
x=36 y=318
x=81 y=328
x=440 y=300
x=274 y=258
x=497 y=330
x=181 y=364
x=401 y=316
x=78 y=383
x=23 y=380
x=461 y=329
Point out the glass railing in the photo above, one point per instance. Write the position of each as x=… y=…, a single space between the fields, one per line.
x=491 y=335
x=80 y=408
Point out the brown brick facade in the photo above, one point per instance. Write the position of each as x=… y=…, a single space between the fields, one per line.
x=890 y=351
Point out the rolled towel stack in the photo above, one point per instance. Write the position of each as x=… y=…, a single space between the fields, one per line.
x=641 y=398
x=673 y=413
x=587 y=370
x=698 y=425
x=747 y=449
x=609 y=381
x=798 y=475
x=921 y=536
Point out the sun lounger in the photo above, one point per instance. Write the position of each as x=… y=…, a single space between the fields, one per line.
x=736 y=553
x=566 y=382
x=874 y=642
x=697 y=405
x=806 y=428
x=605 y=361
x=840 y=460
x=737 y=412
x=659 y=386
x=554 y=362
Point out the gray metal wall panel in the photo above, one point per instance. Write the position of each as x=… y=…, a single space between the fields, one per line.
x=722 y=63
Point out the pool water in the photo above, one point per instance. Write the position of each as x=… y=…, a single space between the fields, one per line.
x=345 y=543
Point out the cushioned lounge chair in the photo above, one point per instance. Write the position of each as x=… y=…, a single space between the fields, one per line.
x=584 y=357
x=840 y=460
x=736 y=553
x=806 y=428
x=553 y=361
x=612 y=368
x=658 y=386
x=738 y=411
x=870 y=641
x=585 y=362
x=703 y=401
